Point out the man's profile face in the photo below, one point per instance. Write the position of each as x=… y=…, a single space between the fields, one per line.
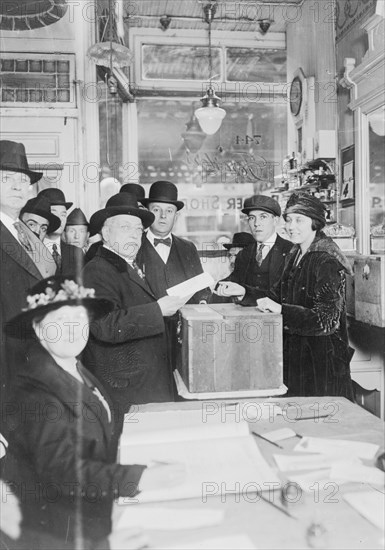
x=61 y=212
x=165 y=217
x=77 y=235
x=123 y=233
x=36 y=223
x=262 y=224
x=14 y=191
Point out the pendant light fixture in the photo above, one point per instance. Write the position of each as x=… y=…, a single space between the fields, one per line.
x=210 y=116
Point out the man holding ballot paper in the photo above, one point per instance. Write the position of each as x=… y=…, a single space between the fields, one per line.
x=127 y=349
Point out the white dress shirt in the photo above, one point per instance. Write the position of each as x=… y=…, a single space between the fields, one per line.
x=268 y=244
x=50 y=242
x=162 y=249
x=10 y=224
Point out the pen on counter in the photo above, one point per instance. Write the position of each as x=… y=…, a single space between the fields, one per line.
x=314 y=417
x=276 y=505
x=265 y=439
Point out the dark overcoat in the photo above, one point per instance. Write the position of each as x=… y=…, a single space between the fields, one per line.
x=127 y=349
x=316 y=354
x=246 y=270
x=72 y=260
x=183 y=263
x=18 y=274
x=62 y=453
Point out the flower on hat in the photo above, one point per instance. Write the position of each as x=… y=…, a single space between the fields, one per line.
x=69 y=291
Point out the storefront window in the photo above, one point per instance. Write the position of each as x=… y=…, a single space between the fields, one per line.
x=377 y=180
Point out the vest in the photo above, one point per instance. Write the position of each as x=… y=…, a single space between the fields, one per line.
x=161 y=276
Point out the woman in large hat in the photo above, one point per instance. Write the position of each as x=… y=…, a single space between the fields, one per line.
x=61 y=427
x=311 y=298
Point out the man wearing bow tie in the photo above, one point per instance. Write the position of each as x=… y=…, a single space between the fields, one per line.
x=166 y=259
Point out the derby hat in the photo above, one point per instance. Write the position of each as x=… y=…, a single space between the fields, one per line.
x=55 y=196
x=121 y=203
x=240 y=240
x=54 y=293
x=41 y=207
x=163 y=191
x=77 y=217
x=134 y=189
x=14 y=159
x=261 y=202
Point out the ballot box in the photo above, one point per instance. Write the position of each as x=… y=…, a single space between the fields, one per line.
x=230 y=348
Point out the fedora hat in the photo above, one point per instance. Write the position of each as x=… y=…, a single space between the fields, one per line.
x=134 y=189
x=77 y=217
x=261 y=202
x=14 y=159
x=55 y=196
x=121 y=203
x=163 y=191
x=54 y=293
x=240 y=240
x=41 y=207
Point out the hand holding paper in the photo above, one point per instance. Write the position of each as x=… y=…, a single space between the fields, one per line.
x=228 y=288
x=170 y=304
x=191 y=286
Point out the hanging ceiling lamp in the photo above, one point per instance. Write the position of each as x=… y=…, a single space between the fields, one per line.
x=210 y=116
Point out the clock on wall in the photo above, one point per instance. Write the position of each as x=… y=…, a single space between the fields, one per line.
x=296 y=95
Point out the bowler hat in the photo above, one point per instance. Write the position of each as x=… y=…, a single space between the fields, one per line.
x=134 y=189
x=77 y=217
x=54 y=293
x=261 y=202
x=121 y=203
x=163 y=191
x=14 y=159
x=240 y=240
x=41 y=207
x=55 y=196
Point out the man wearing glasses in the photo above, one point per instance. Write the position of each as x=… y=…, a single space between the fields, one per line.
x=259 y=265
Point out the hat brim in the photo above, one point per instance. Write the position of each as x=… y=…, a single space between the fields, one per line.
x=61 y=203
x=98 y=218
x=235 y=245
x=263 y=208
x=21 y=325
x=179 y=204
x=34 y=176
x=53 y=221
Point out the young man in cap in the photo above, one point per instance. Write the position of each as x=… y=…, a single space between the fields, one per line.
x=259 y=266
x=127 y=349
x=23 y=261
x=68 y=258
x=76 y=231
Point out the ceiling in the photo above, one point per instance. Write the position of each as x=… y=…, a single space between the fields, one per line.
x=238 y=15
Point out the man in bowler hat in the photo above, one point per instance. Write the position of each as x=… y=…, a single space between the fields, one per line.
x=76 y=231
x=239 y=242
x=24 y=258
x=36 y=214
x=259 y=265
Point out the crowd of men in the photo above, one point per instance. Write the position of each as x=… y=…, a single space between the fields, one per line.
x=137 y=258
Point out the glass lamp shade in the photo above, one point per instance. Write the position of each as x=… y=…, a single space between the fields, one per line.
x=210 y=118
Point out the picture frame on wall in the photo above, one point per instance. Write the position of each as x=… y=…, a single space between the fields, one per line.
x=347 y=190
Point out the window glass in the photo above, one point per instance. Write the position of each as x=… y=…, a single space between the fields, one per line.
x=255 y=65
x=377 y=180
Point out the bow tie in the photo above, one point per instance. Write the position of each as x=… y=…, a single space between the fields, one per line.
x=166 y=241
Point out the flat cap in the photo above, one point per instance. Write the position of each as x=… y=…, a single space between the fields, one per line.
x=261 y=202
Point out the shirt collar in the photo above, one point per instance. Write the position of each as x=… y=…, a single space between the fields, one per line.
x=271 y=240
x=151 y=236
x=129 y=261
x=7 y=220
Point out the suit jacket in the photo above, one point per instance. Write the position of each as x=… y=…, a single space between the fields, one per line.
x=245 y=265
x=182 y=264
x=127 y=349
x=72 y=260
x=62 y=454
x=18 y=275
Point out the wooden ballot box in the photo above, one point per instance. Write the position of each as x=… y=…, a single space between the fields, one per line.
x=227 y=347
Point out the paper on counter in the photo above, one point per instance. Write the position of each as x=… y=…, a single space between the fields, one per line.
x=323 y=477
x=370 y=504
x=168 y=519
x=231 y=542
x=337 y=447
x=295 y=463
x=191 y=286
x=358 y=473
x=279 y=435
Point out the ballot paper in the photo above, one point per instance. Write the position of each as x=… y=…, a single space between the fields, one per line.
x=297 y=463
x=191 y=286
x=279 y=435
x=340 y=447
x=219 y=454
x=231 y=542
x=358 y=473
x=323 y=478
x=168 y=519
x=370 y=504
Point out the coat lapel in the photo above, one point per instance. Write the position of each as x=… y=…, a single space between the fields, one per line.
x=13 y=248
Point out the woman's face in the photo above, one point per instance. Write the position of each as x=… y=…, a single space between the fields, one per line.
x=299 y=229
x=64 y=332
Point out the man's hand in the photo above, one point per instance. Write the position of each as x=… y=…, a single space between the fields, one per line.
x=170 y=304
x=268 y=305
x=227 y=288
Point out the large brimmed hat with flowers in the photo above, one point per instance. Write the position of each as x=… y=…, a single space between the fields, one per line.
x=54 y=293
